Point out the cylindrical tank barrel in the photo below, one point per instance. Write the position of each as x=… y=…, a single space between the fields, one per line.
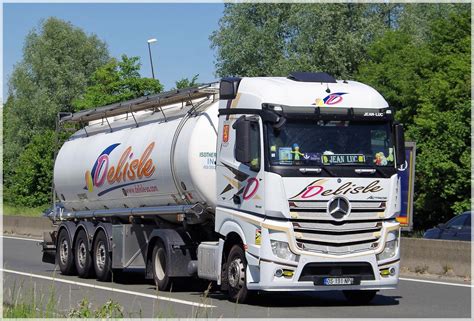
x=158 y=163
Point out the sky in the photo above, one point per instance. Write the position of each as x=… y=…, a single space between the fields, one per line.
x=182 y=30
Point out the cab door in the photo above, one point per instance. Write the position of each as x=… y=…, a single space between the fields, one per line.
x=240 y=182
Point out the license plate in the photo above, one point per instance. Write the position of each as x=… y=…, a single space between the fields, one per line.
x=338 y=281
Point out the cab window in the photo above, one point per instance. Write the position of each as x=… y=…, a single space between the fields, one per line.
x=254 y=146
x=457 y=222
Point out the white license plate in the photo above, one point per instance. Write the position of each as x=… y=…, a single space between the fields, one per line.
x=338 y=281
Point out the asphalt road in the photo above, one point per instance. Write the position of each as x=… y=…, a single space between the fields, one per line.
x=25 y=274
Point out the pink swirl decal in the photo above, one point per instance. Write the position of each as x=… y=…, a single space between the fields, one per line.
x=251 y=188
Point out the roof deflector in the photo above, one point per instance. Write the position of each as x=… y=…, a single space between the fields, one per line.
x=312 y=77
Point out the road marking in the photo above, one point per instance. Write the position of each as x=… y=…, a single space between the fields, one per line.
x=100 y=287
x=21 y=238
x=436 y=282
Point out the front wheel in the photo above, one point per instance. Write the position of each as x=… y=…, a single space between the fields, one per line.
x=236 y=267
x=360 y=296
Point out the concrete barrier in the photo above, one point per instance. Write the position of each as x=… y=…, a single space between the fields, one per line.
x=442 y=257
x=23 y=225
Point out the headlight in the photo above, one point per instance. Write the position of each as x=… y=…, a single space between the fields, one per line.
x=391 y=247
x=282 y=250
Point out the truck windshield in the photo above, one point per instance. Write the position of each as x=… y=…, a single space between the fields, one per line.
x=335 y=143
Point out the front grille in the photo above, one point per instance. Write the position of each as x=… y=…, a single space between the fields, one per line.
x=317 y=231
x=362 y=270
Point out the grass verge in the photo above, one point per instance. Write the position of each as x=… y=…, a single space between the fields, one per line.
x=23 y=210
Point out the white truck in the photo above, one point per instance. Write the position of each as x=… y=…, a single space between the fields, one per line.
x=258 y=184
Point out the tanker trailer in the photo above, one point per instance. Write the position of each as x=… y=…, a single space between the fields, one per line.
x=265 y=183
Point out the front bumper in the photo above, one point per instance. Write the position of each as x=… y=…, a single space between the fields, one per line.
x=269 y=281
x=264 y=268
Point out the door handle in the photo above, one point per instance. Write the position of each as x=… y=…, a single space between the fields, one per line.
x=236 y=199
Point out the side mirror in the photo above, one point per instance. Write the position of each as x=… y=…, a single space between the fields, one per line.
x=242 y=140
x=441 y=226
x=228 y=87
x=400 y=145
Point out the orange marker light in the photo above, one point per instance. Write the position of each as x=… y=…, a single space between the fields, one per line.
x=225 y=134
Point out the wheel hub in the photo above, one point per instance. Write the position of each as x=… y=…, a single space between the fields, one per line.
x=82 y=254
x=100 y=255
x=64 y=252
x=235 y=273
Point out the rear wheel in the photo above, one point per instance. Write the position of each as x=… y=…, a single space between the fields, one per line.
x=83 y=257
x=160 y=267
x=102 y=260
x=236 y=267
x=360 y=296
x=64 y=253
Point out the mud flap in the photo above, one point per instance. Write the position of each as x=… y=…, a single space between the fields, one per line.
x=49 y=247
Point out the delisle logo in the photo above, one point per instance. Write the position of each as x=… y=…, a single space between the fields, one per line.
x=317 y=188
x=127 y=169
x=329 y=100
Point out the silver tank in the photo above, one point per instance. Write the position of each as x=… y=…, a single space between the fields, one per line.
x=157 y=163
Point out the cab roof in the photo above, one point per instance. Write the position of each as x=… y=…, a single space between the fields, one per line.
x=252 y=92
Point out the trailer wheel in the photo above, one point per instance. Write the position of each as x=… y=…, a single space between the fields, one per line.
x=160 y=264
x=360 y=296
x=102 y=260
x=65 y=254
x=83 y=257
x=236 y=267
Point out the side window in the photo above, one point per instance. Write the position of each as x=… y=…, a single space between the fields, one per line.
x=457 y=222
x=467 y=223
x=247 y=142
x=254 y=146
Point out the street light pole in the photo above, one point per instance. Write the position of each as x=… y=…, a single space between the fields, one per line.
x=149 y=41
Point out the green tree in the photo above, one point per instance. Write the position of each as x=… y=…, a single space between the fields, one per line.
x=427 y=78
x=250 y=40
x=32 y=177
x=186 y=83
x=58 y=60
x=117 y=81
x=275 y=39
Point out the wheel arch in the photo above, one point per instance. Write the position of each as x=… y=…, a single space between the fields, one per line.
x=88 y=228
x=107 y=229
x=233 y=234
x=172 y=241
x=70 y=228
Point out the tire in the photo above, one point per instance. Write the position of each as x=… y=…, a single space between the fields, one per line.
x=102 y=259
x=360 y=296
x=160 y=264
x=83 y=257
x=236 y=266
x=65 y=254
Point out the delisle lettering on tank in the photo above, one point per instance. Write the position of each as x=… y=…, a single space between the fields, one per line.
x=127 y=169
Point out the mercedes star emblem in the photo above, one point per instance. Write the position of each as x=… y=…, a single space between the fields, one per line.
x=338 y=207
